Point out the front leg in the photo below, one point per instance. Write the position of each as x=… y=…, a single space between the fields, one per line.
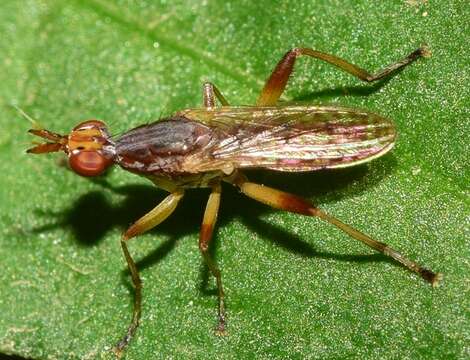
x=145 y=223
x=277 y=82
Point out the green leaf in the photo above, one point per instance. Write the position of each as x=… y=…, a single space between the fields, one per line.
x=296 y=287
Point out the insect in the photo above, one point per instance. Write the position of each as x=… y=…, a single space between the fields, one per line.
x=204 y=146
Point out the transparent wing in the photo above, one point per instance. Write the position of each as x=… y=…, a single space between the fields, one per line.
x=291 y=138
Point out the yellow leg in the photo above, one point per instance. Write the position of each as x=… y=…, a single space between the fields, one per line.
x=210 y=93
x=205 y=236
x=285 y=201
x=145 y=223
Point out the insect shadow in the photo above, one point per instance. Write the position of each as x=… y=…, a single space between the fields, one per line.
x=355 y=90
x=4 y=356
x=93 y=214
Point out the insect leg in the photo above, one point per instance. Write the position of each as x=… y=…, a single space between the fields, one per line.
x=205 y=236
x=277 y=82
x=285 y=201
x=145 y=223
x=209 y=93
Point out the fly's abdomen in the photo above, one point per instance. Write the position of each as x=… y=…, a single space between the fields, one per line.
x=347 y=139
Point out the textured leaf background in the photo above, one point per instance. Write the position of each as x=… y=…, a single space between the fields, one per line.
x=296 y=287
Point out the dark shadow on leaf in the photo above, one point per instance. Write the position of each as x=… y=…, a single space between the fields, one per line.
x=90 y=218
x=356 y=90
x=12 y=357
x=327 y=186
x=335 y=92
x=295 y=244
x=93 y=214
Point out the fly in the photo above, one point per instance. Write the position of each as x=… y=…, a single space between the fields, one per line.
x=203 y=147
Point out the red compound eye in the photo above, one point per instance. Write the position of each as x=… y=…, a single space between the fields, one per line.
x=88 y=163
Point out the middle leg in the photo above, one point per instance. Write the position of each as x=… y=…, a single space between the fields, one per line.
x=210 y=93
x=205 y=237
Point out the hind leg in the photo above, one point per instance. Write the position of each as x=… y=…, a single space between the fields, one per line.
x=277 y=82
x=289 y=202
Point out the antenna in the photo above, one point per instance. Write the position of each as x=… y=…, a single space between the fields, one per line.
x=34 y=123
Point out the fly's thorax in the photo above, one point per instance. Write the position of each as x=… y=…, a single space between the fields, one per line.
x=163 y=146
x=90 y=149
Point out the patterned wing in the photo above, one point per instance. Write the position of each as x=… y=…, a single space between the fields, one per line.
x=291 y=138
